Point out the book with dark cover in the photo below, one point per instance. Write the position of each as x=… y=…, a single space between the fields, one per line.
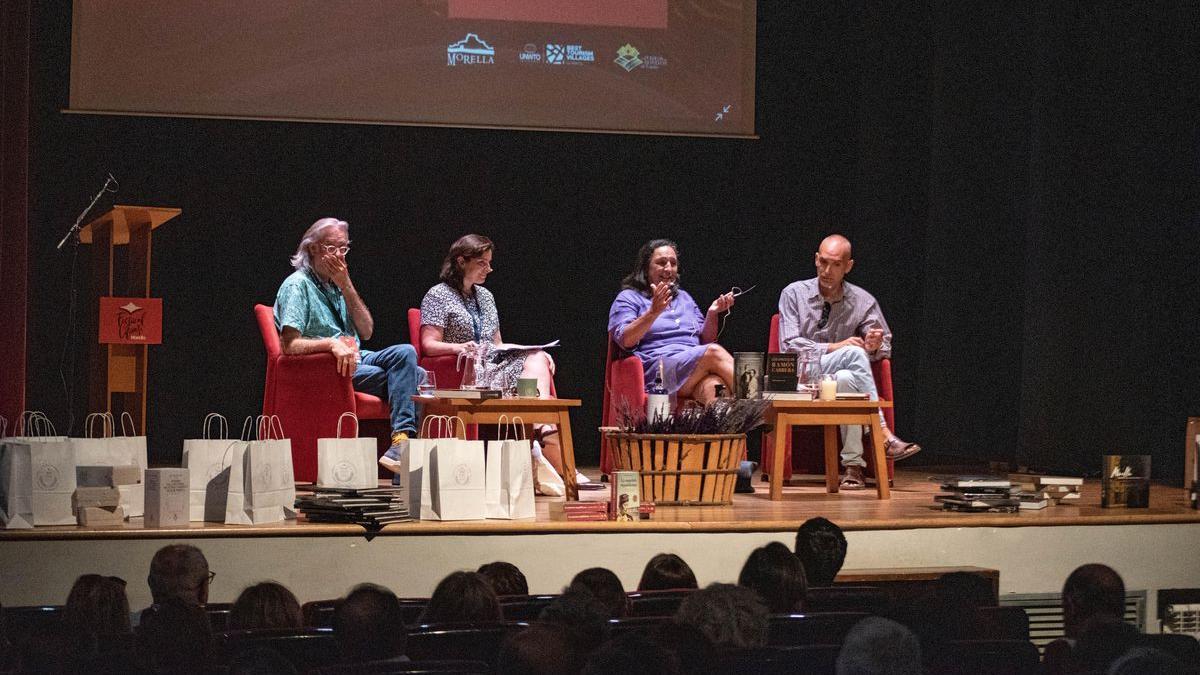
x=1125 y=481
x=780 y=372
x=979 y=482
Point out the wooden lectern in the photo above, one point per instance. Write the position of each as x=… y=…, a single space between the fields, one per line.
x=117 y=379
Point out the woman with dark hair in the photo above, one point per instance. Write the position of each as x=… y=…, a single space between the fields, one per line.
x=462 y=597
x=459 y=315
x=777 y=576
x=667 y=571
x=659 y=322
x=98 y=605
x=263 y=606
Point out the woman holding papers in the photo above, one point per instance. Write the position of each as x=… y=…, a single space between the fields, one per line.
x=659 y=322
x=458 y=317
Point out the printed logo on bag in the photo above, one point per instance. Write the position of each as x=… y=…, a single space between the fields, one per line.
x=47 y=476
x=263 y=474
x=462 y=474
x=344 y=472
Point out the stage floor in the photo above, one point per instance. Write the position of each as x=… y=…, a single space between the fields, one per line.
x=1033 y=551
x=912 y=506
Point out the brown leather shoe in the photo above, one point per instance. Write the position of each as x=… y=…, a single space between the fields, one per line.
x=896 y=449
x=853 y=479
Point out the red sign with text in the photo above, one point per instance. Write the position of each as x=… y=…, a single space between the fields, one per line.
x=131 y=321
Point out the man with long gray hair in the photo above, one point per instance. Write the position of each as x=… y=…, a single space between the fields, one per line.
x=318 y=310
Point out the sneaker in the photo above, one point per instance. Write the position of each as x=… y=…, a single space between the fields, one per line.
x=390 y=460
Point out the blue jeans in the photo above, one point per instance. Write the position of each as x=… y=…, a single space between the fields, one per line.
x=852 y=367
x=392 y=373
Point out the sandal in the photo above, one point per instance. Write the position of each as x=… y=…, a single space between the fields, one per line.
x=853 y=479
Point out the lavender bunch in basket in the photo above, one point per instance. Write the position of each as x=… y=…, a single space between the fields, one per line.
x=720 y=416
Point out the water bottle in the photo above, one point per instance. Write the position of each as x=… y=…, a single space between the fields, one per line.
x=658 y=402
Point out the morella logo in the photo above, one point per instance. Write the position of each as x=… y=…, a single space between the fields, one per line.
x=557 y=54
x=470 y=51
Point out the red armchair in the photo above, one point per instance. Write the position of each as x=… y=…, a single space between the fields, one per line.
x=308 y=395
x=809 y=456
x=624 y=380
x=442 y=367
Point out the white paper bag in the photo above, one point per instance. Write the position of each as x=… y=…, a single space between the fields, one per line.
x=209 y=461
x=414 y=464
x=347 y=462
x=16 y=485
x=508 y=485
x=108 y=448
x=268 y=489
x=47 y=461
x=456 y=479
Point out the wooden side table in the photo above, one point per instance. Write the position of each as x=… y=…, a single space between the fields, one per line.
x=784 y=415
x=530 y=410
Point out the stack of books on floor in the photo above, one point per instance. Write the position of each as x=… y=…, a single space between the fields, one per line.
x=572 y=510
x=593 y=510
x=374 y=507
x=1042 y=491
x=979 y=494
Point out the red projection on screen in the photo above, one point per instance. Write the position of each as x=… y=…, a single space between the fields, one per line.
x=628 y=13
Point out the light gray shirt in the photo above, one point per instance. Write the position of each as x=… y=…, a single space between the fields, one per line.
x=800 y=309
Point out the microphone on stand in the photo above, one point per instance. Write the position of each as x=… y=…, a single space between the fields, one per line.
x=74 y=231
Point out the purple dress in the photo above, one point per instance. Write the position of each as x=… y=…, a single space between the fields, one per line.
x=674 y=337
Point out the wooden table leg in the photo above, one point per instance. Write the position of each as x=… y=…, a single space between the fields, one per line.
x=568 y=454
x=782 y=429
x=833 y=475
x=881 y=468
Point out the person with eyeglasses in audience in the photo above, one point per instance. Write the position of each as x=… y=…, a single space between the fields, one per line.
x=655 y=319
x=318 y=309
x=831 y=322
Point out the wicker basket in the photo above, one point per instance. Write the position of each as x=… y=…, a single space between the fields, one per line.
x=679 y=470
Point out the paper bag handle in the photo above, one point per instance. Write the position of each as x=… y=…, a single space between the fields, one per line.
x=34 y=423
x=223 y=427
x=456 y=422
x=106 y=425
x=132 y=430
x=519 y=428
x=248 y=427
x=3 y=426
x=339 y=424
x=273 y=425
x=502 y=430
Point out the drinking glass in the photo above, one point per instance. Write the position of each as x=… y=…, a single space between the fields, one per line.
x=427 y=385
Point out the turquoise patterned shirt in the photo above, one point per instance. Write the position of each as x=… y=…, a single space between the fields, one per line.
x=314 y=308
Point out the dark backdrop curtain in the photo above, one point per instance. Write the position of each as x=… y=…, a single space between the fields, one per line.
x=14 y=202
x=1019 y=180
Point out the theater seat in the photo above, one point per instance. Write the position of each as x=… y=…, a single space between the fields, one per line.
x=845 y=599
x=804 y=452
x=815 y=628
x=303 y=647
x=656 y=603
x=466 y=642
x=309 y=396
x=398 y=667
x=984 y=657
x=779 y=660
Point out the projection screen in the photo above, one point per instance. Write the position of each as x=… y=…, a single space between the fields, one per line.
x=657 y=66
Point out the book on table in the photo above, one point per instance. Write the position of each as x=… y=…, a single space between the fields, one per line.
x=980 y=482
x=469 y=394
x=780 y=372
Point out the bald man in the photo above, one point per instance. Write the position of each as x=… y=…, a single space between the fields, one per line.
x=832 y=322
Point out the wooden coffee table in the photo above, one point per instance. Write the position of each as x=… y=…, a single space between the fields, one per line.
x=530 y=410
x=783 y=415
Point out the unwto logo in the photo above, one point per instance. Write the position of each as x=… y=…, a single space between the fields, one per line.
x=470 y=51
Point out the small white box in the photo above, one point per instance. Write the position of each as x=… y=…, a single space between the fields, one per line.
x=166 y=498
x=133 y=499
